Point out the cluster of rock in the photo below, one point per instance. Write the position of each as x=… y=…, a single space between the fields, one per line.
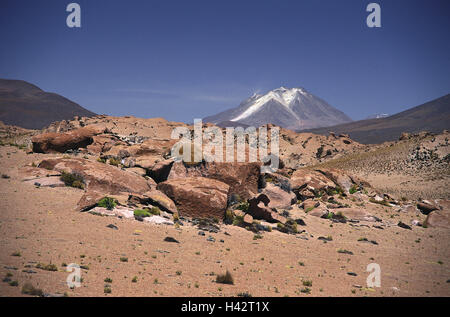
x=139 y=173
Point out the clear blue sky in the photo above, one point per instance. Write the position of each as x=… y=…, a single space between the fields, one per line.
x=187 y=59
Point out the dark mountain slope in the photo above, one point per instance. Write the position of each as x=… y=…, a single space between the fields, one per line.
x=433 y=116
x=26 y=105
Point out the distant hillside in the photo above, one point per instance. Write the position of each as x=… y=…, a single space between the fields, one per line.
x=25 y=105
x=433 y=116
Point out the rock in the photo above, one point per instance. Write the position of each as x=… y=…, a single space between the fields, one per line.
x=403 y=225
x=51 y=181
x=155 y=198
x=426 y=208
x=278 y=197
x=137 y=170
x=197 y=196
x=318 y=212
x=355 y=214
x=158 y=220
x=103 y=143
x=61 y=142
x=241 y=177
x=438 y=219
x=405 y=136
x=258 y=209
x=310 y=204
x=248 y=219
x=338 y=177
x=99 y=179
x=170 y=239
x=161 y=170
x=416 y=223
x=408 y=209
x=311 y=180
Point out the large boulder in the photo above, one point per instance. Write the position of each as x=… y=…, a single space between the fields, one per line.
x=355 y=214
x=61 y=142
x=279 y=198
x=197 y=196
x=100 y=177
x=343 y=180
x=241 y=177
x=155 y=198
x=259 y=209
x=438 y=218
x=312 y=181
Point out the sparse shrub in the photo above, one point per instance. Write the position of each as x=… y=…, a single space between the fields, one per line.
x=13 y=283
x=114 y=162
x=107 y=290
x=123 y=259
x=101 y=160
x=72 y=180
x=107 y=202
x=238 y=221
x=5 y=176
x=244 y=294
x=134 y=280
x=257 y=236
x=353 y=189
x=29 y=289
x=226 y=278
x=176 y=217
x=108 y=280
x=47 y=267
x=306 y=290
x=243 y=206
x=307 y=283
x=17 y=253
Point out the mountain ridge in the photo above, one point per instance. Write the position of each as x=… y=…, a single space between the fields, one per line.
x=26 y=105
x=432 y=116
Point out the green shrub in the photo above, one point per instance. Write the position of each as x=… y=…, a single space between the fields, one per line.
x=142 y=213
x=107 y=202
x=243 y=206
x=114 y=162
x=353 y=189
x=72 y=180
x=101 y=160
x=108 y=280
x=307 y=283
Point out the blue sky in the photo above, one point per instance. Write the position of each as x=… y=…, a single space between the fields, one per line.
x=188 y=59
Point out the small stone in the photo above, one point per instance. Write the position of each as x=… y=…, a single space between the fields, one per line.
x=170 y=239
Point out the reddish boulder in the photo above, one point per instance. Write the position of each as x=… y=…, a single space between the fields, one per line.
x=258 y=209
x=241 y=177
x=438 y=219
x=61 y=142
x=197 y=196
x=278 y=197
x=313 y=181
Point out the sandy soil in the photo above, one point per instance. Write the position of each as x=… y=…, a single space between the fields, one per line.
x=40 y=224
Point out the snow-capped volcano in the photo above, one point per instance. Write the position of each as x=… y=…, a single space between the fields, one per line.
x=291 y=108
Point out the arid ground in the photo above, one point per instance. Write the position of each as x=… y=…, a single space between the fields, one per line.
x=42 y=225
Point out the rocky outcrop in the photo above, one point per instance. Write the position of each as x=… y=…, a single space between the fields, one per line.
x=241 y=177
x=278 y=197
x=197 y=196
x=61 y=142
x=438 y=219
x=259 y=209
x=312 y=181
